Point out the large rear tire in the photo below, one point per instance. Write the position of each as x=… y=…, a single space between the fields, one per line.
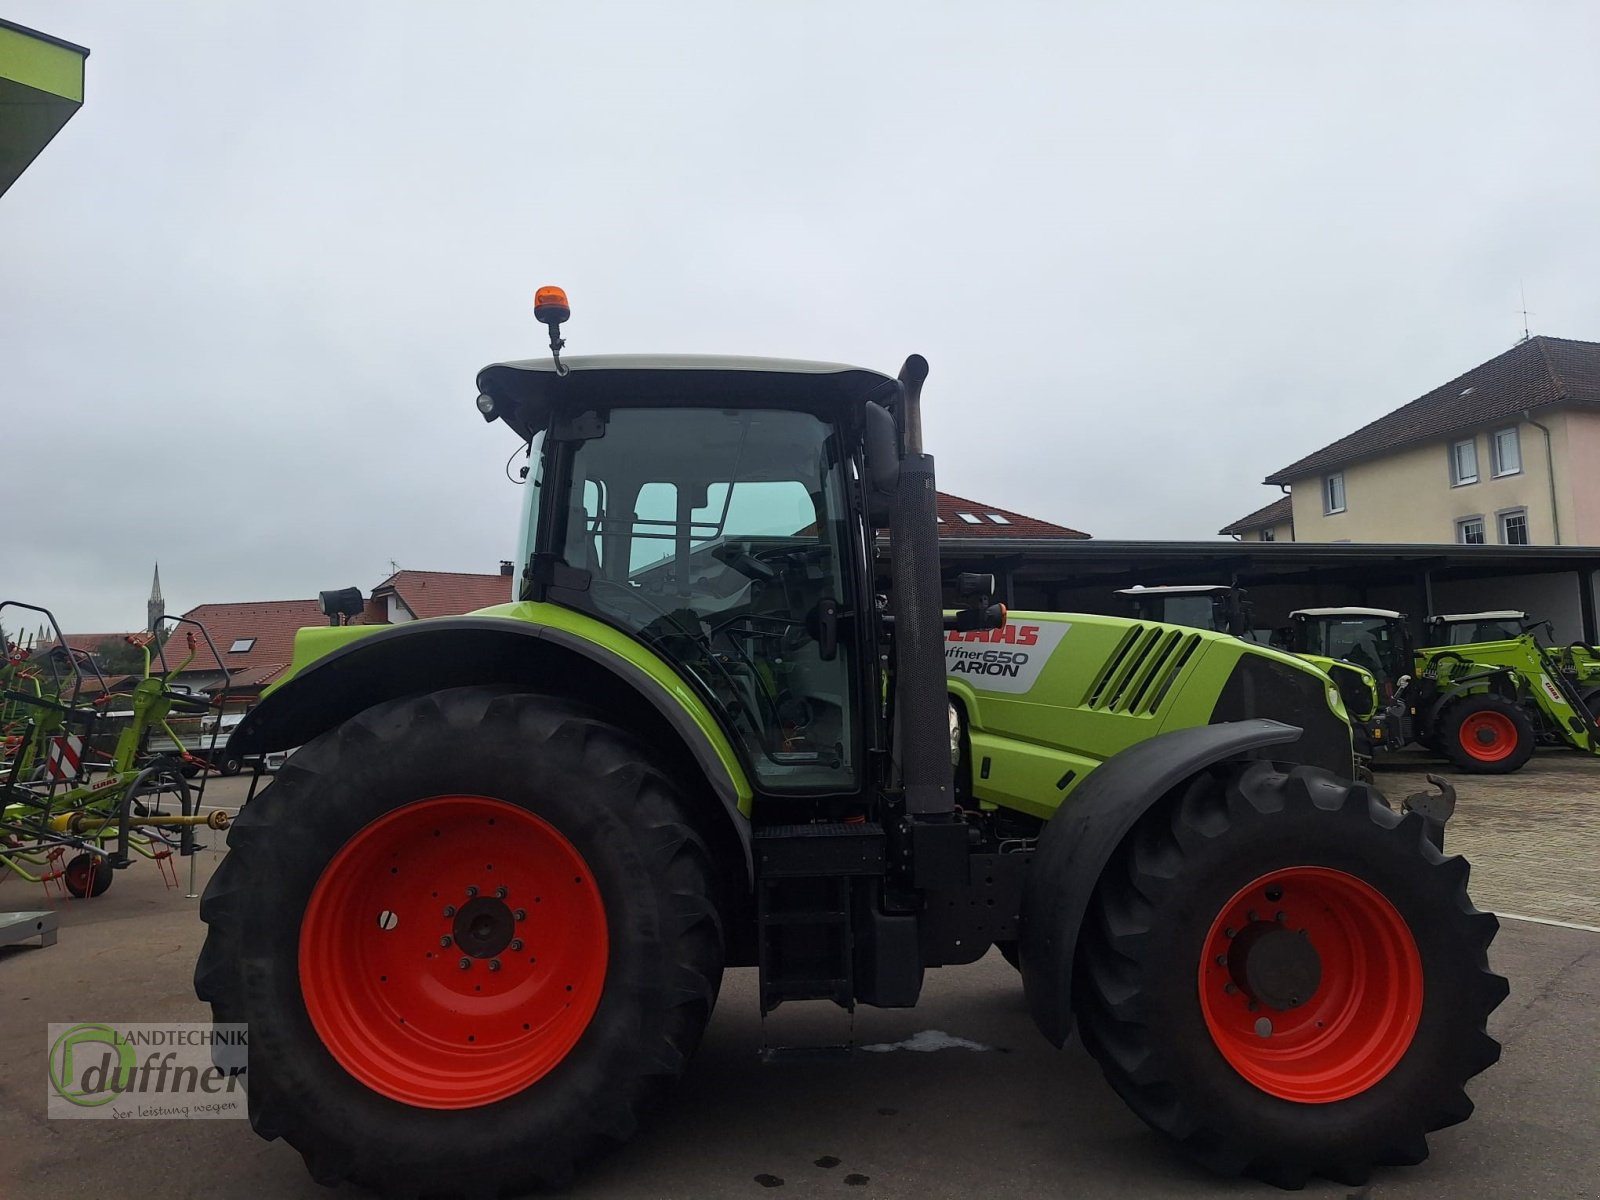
x=1287 y=977
x=1486 y=734
x=473 y=936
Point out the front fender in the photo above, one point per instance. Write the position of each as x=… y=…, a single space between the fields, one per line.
x=447 y=652
x=1080 y=839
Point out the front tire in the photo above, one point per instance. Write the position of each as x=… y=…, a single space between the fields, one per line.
x=1486 y=734
x=470 y=826
x=1591 y=701
x=1325 y=1040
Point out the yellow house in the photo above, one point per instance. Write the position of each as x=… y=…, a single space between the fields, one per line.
x=1507 y=454
x=41 y=86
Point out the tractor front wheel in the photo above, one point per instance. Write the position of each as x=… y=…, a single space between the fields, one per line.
x=473 y=936
x=1486 y=734
x=1591 y=701
x=1287 y=977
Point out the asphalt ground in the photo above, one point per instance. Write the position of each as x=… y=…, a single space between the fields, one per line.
x=1014 y=1117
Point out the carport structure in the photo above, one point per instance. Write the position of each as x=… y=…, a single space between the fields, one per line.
x=1555 y=583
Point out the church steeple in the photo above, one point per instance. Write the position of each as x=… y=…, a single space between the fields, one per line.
x=155 y=606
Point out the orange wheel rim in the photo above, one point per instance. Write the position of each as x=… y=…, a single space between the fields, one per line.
x=453 y=952
x=1311 y=984
x=1488 y=736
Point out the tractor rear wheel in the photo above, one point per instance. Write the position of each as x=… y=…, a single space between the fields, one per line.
x=1287 y=977
x=473 y=936
x=1486 y=734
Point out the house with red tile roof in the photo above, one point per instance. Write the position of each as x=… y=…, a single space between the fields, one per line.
x=963 y=518
x=417 y=595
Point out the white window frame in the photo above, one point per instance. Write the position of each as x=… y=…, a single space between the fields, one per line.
x=242 y=645
x=1497 y=468
x=1457 y=477
x=1504 y=515
x=1328 y=508
x=1461 y=530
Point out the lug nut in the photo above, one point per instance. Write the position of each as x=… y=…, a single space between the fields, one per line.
x=521 y=914
x=449 y=910
x=471 y=891
x=494 y=964
x=445 y=940
x=464 y=963
x=1229 y=989
x=1230 y=931
x=499 y=893
x=516 y=943
x=1279 y=917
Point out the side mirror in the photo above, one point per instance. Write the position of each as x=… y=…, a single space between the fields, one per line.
x=882 y=465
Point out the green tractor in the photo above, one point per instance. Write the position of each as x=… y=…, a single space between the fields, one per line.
x=476 y=925
x=1578 y=661
x=1484 y=705
x=1376 y=719
x=1521 y=690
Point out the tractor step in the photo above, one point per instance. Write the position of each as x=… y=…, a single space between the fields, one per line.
x=804 y=888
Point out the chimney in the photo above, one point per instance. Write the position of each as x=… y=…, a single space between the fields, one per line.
x=507 y=567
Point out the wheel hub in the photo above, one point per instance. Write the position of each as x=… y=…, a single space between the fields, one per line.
x=484 y=927
x=1276 y=966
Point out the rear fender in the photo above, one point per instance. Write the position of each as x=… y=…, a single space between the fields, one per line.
x=428 y=656
x=1080 y=839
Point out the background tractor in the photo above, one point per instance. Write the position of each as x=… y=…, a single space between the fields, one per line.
x=1484 y=705
x=477 y=923
x=1578 y=661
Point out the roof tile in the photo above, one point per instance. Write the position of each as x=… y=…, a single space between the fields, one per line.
x=1276 y=513
x=1538 y=373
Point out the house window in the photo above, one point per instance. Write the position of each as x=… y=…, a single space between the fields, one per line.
x=1514 y=527
x=1464 y=462
x=969 y=518
x=241 y=645
x=1333 y=493
x=1269 y=535
x=1469 y=531
x=998 y=519
x=1505 y=452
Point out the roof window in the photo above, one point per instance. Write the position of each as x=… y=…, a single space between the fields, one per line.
x=969 y=518
x=241 y=645
x=997 y=518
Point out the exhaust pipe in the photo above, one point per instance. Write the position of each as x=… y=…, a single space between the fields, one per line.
x=922 y=735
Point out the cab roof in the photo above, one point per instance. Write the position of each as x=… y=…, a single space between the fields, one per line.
x=1173 y=589
x=1347 y=612
x=525 y=392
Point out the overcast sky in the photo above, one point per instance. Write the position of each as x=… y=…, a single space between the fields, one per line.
x=1151 y=257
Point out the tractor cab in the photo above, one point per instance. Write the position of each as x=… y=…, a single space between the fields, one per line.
x=1466 y=629
x=1213 y=606
x=1372 y=638
x=707 y=508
